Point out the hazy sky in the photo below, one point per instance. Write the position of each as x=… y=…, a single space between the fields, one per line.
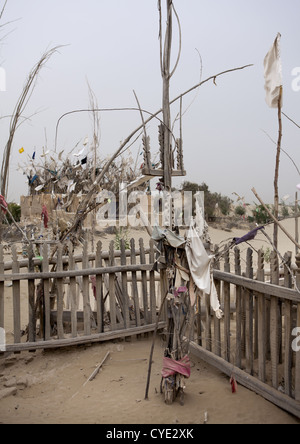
x=114 y=44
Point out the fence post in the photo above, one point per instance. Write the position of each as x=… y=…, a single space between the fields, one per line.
x=288 y=321
x=31 y=297
x=1 y=288
x=112 y=288
x=274 y=322
x=144 y=282
x=46 y=287
x=208 y=335
x=99 y=289
x=297 y=363
x=217 y=322
x=249 y=315
x=72 y=287
x=238 y=290
x=135 y=292
x=16 y=298
x=227 y=309
x=261 y=320
x=124 y=283
x=153 y=310
x=60 y=295
x=87 y=310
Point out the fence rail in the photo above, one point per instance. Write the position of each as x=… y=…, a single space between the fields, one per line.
x=255 y=344
x=75 y=298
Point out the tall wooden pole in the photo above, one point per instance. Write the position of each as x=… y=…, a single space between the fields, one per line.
x=276 y=193
x=167 y=152
x=166 y=99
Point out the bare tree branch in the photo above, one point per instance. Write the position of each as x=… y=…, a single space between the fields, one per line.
x=3 y=9
x=86 y=201
x=96 y=125
x=141 y=113
x=180 y=42
x=17 y=114
x=160 y=35
x=296 y=124
x=182 y=113
x=287 y=154
x=152 y=115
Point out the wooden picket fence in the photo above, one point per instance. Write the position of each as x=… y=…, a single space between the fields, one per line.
x=66 y=299
x=253 y=343
x=75 y=299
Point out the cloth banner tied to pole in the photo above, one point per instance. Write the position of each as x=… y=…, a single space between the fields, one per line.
x=273 y=74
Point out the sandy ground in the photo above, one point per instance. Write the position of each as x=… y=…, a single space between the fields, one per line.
x=48 y=387
x=55 y=391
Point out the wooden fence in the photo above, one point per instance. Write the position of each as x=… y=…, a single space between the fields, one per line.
x=254 y=341
x=82 y=298
x=72 y=299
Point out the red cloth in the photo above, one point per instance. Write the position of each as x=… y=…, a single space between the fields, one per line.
x=233 y=384
x=3 y=204
x=45 y=216
x=170 y=367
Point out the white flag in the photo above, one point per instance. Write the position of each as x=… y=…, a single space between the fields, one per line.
x=273 y=74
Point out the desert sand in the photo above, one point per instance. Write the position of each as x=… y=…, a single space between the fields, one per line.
x=49 y=387
x=55 y=391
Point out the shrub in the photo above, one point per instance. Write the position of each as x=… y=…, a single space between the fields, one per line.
x=240 y=210
x=260 y=214
x=285 y=210
x=15 y=211
x=122 y=234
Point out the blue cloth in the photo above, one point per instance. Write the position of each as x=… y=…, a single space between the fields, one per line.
x=35 y=177
x=249 y=236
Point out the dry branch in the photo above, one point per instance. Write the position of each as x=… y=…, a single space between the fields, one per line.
x=3 y=9
x=97 y=370
x=18 y=111
x=152 y=115
x=86 y=201
x=291 y=120
x=274 y=219
x=94 y=374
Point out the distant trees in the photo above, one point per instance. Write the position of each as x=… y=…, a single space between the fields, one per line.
x=216 y=203
x=212 y=200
